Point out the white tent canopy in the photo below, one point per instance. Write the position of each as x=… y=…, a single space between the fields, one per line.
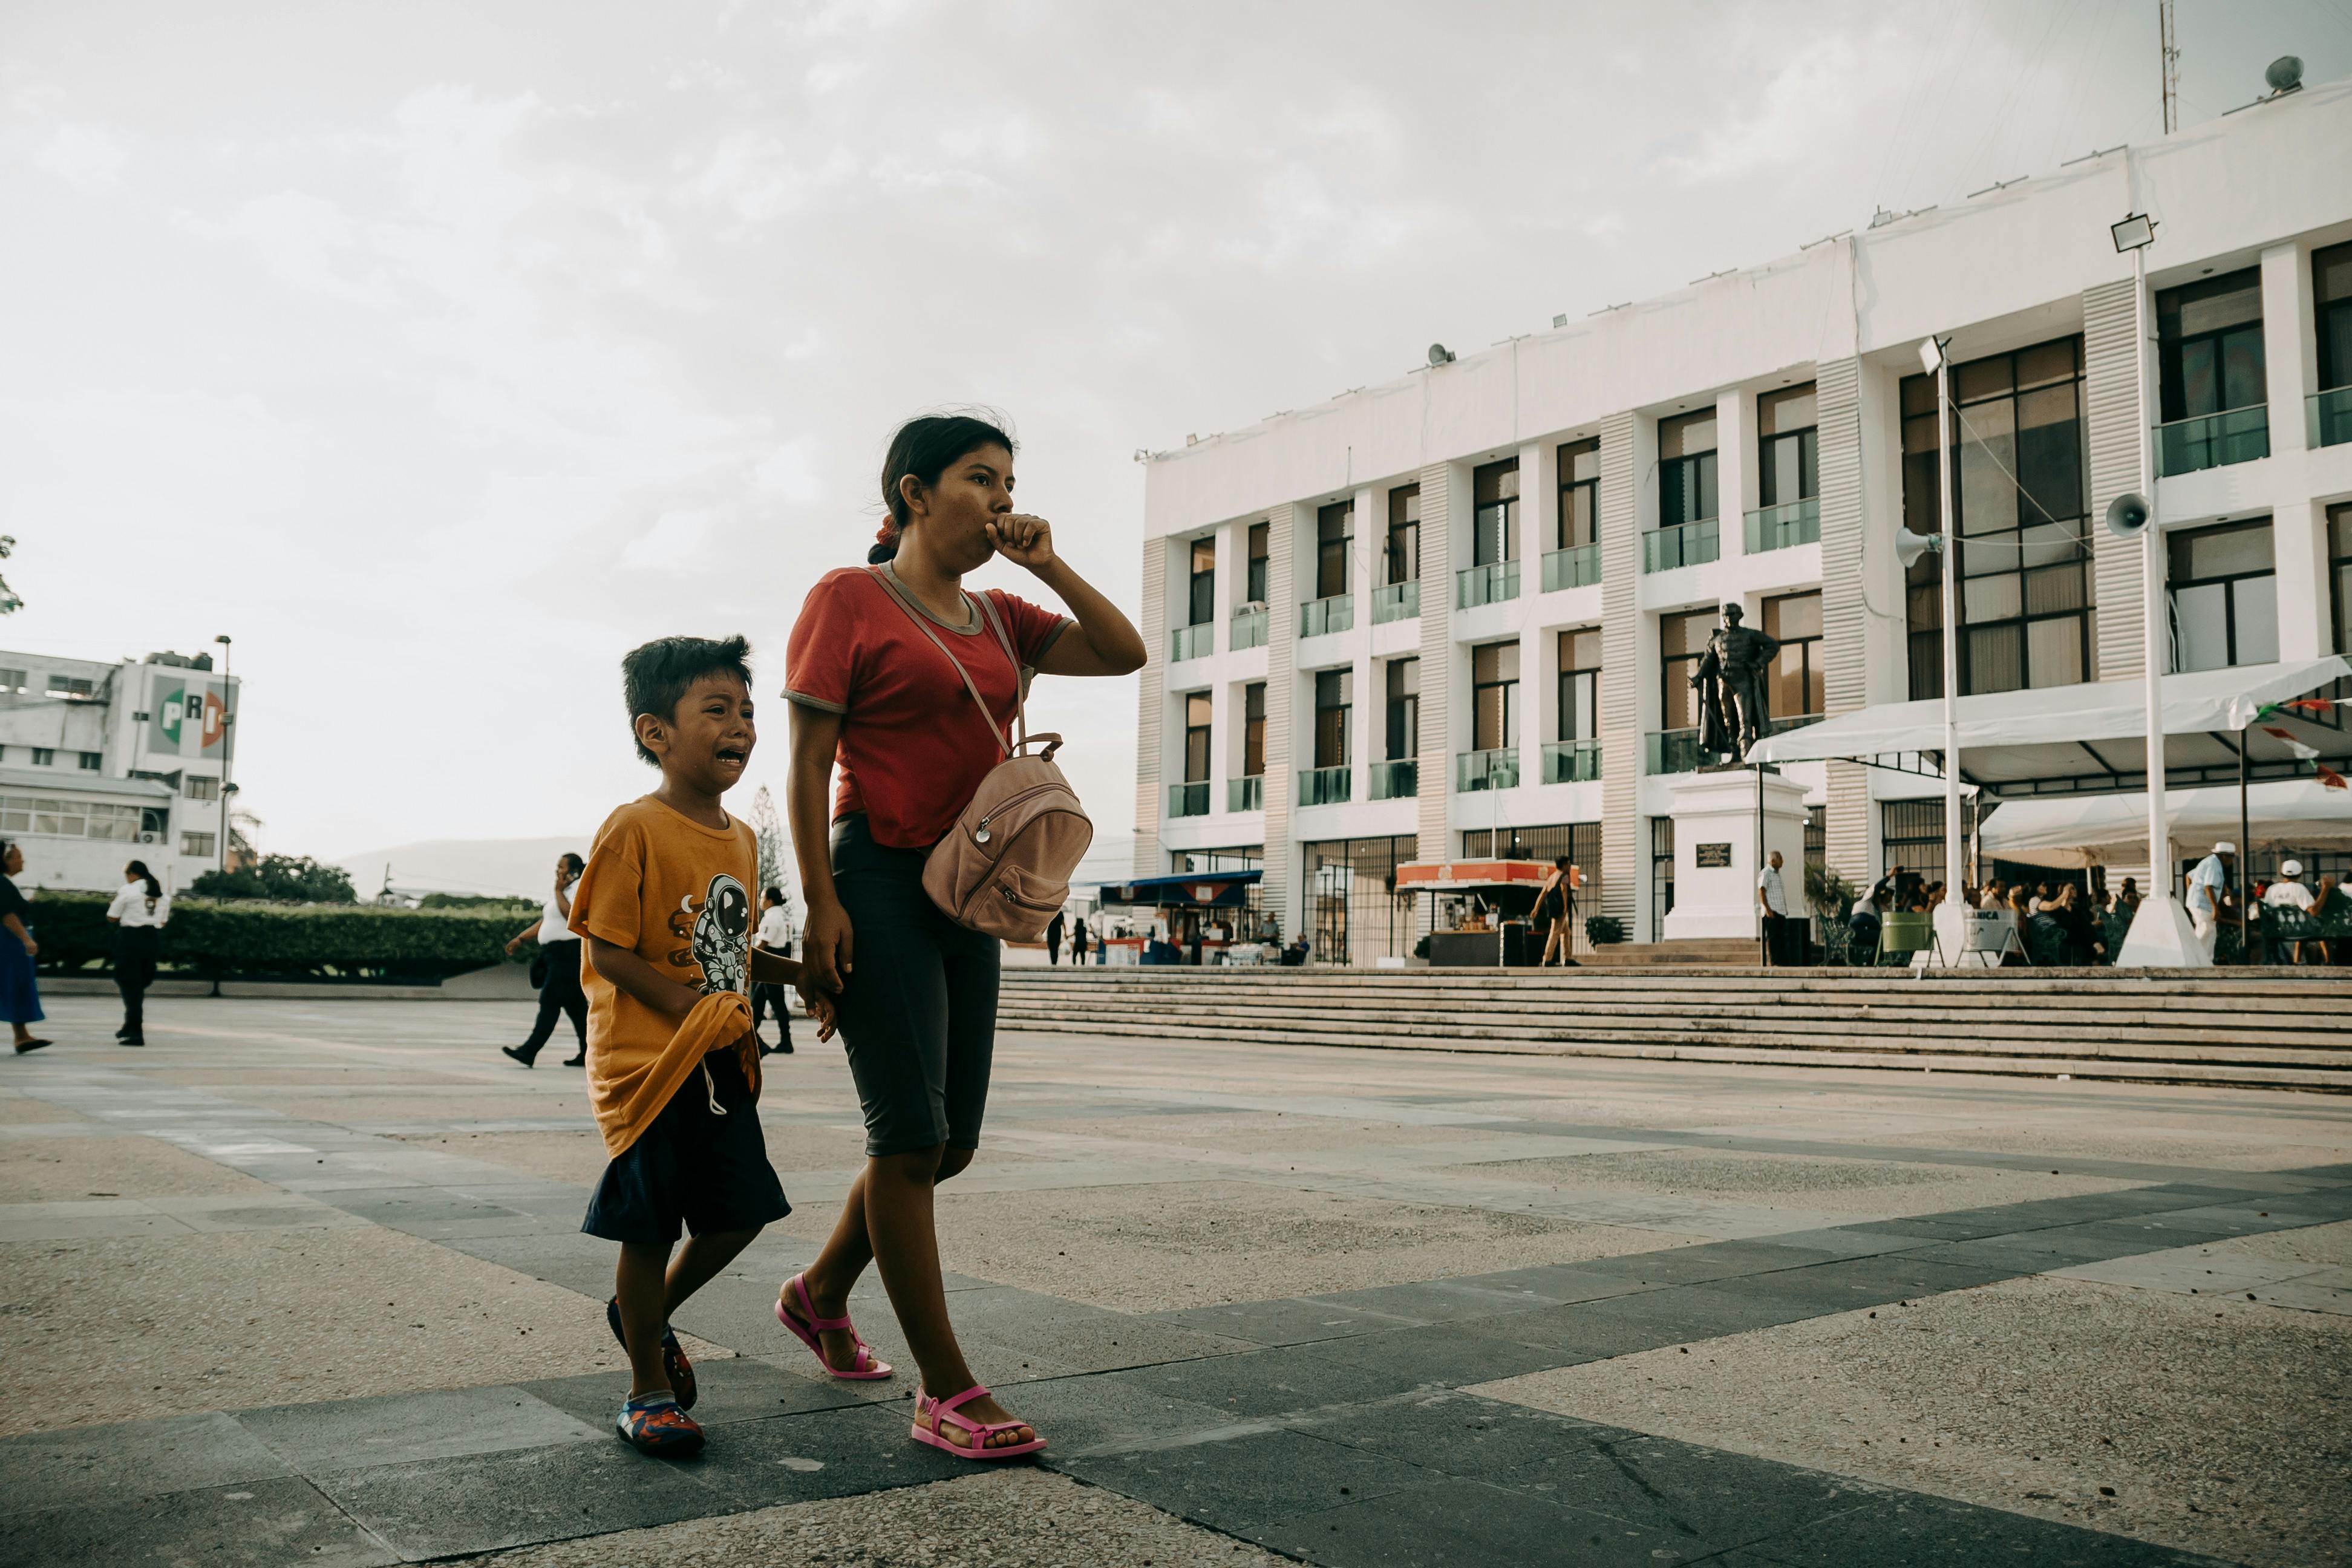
x=2087 y=739
x=2093 y=830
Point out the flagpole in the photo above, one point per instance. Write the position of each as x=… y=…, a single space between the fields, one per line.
x=2245 y=843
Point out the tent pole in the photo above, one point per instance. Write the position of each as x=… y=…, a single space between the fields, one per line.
x=2245 y=846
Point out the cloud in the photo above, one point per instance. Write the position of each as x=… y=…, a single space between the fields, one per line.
x=89 y=158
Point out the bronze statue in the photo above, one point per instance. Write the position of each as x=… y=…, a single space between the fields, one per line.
x=1733 y=688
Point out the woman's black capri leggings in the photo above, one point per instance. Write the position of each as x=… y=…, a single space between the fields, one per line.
x=919 y=1007
x=135 y=948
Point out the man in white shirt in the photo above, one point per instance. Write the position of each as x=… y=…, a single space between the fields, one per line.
x=2205 y=884
x=775 y=935
x=1773 y=897
x=2289 y=890
x=558 y=994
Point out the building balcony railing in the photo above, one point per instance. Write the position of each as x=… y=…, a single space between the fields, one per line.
x=1492 y=584
x=1395 y=602
x=1192 y=642
x=1247 y=793
x=1574 y=567
x=2328 y=417
x=1571 y=762
x=1671 y=751
x=2213 y=440
x=1793 y=721
x=1189 y=799
x=1396 y=779
x=1779 y=527
x=1317 y=617
x=1324 y=786
x=1496 y=769
x=1685 y=544
x=1248 y=629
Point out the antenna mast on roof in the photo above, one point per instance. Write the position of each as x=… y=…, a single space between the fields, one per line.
x=2171 y=60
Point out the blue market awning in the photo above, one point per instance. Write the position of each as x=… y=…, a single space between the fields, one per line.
x=1200 y=889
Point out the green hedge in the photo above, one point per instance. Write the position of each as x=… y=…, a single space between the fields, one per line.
x=326 y=941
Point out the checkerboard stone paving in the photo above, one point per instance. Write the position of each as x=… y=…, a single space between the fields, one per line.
x=1369 y=1423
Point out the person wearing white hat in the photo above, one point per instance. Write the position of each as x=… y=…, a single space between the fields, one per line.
x=2205 y=885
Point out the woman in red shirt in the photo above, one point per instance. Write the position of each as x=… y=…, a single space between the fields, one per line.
x=872 y=696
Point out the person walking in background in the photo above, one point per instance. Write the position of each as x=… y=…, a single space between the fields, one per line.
x=1054 y=938
x=1772 y=899
x=1555 y=912
x=775 y=936
x=20 y=993
x=1078 y=941
x=559 y=987
x=2205 y=884
x=137 y=914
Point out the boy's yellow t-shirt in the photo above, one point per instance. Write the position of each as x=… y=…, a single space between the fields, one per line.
x=677 y=894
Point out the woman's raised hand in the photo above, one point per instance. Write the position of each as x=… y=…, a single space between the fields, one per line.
x=1023 y=539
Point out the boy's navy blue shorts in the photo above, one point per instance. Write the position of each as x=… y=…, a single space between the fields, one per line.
x=692 y=1165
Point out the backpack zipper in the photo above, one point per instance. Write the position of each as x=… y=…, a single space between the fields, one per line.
x=979 y=834
x=974 y=897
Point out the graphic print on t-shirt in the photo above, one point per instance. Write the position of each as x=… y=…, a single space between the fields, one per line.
x=719 y=937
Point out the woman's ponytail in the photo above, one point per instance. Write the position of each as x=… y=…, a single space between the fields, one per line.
x=139 y=869
x=886 y=542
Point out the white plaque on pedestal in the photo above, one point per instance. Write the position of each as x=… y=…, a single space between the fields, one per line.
x=1715 y=852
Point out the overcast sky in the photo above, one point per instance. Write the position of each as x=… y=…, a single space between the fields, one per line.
x=441 y=353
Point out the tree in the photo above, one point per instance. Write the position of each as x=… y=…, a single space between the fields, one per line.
x=771 y=834
x=9 y=602
x=285 y=879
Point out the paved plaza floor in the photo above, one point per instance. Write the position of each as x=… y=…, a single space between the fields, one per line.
x=302 y=1282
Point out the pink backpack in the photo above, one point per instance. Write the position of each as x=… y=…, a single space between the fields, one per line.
x=1004 y=868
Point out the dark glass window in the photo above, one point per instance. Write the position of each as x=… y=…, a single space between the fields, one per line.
x=1786 y=447
x=2027 y=614
x=1204 y=604
x=1253 y=730
x=1196 y=737
x=1495 y=696
x=1682 y=641
x=1260 y=538
x=2210 y=344
x=2331 y=280
x=2339 y=571
x=1580 y=494
x=1797 y=686
x=1335 y=693
x=1580 y=685
x=2223 y=584
x=1686 y=468
x=1405 y=708
x=1495 y=490
x=1335 y=527
x=1404 y=553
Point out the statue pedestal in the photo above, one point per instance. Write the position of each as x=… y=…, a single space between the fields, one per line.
x=1716 y=857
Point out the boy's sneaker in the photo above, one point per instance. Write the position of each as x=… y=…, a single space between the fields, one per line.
x=675 y=1366
x=653 y=1423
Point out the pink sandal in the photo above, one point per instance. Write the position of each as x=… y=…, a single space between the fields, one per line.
x=945 y=1410
x=867 y=1368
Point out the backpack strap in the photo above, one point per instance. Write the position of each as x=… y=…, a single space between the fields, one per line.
x=898 y=596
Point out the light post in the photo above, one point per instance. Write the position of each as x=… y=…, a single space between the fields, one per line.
x=2161 y=935
x=1951 y=924
x=229 y=747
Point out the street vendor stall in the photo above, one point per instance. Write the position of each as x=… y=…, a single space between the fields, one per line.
x=1479 y=910
x=1161 y=919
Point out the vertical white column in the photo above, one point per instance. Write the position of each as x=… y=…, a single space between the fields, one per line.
x=1735 y=469
x=1538 y=500
x=2298 y=527
x=1363 y=571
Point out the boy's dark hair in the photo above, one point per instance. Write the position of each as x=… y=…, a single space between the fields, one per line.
x=656 y=678
x=925 y=446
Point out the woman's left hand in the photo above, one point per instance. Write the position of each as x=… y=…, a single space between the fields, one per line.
x=1023 y=539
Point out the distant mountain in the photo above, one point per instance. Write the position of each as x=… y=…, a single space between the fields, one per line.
x=522 y=866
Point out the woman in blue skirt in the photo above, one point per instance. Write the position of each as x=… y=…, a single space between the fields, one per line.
x=20 y=994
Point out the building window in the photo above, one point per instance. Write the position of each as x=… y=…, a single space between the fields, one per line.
x=1912 y=837
x=1580 y=685
x=1580 y=494
x=74 y=689
x=1662 y=875
x=91 y=762
x=2224 y=588
x=1352 y=905
x=1682 y=642
x=1204 y=604
x=201 y=786
x=15 y=682
x=1261 y=536
x=1253 y=730
x=198 y=844
x=1405 y=708
x=1798 y=690
x=1578 y=843
x=1686 y=468
x=1334 y=532
x=45 y=756
x=1404 y=554
x=2339 y=571
x=1495 y=696
x=1335 y=693
x=1494 y=492
x=1786 y=448
x=2027 y=616
x=1817 y=835
x=2331 y=280
x=1196 y=737
x=2209 y=345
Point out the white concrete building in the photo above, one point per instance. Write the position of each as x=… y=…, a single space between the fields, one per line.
x=101 y=763
x=1451 y=615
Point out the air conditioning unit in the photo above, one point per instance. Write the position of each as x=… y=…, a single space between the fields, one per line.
x=151 y=838
x=1254 y=607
